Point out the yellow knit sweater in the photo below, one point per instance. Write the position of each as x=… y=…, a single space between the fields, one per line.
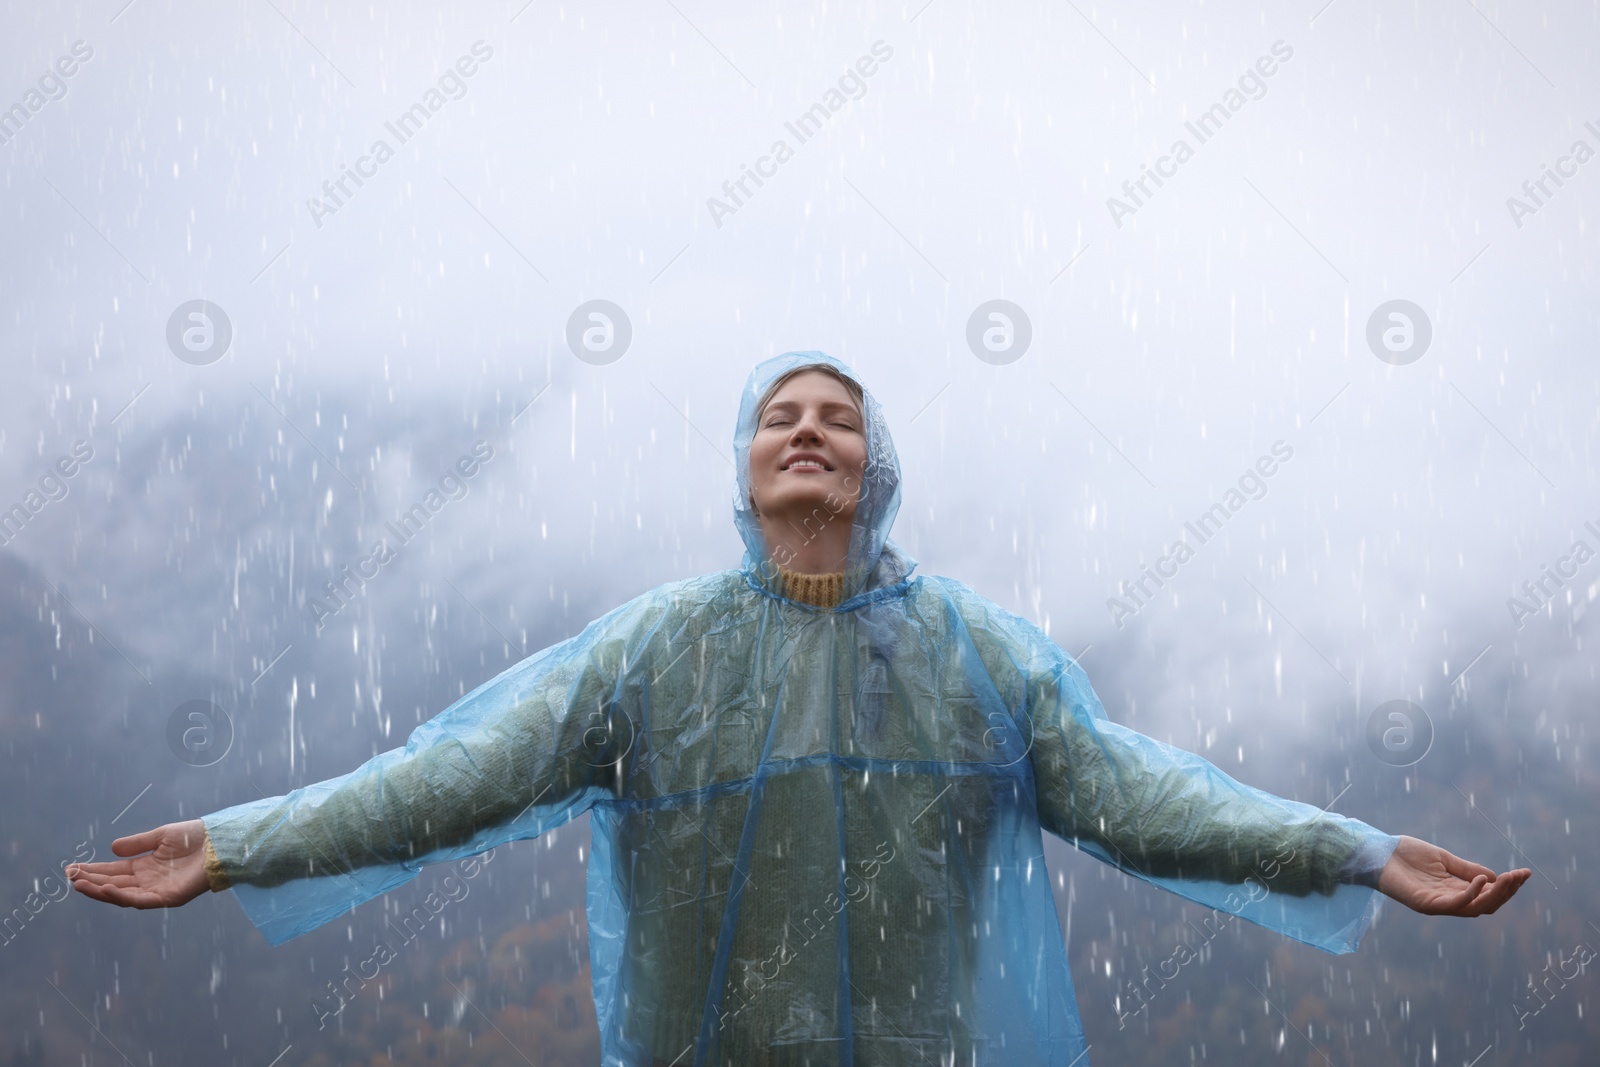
x=822 y=590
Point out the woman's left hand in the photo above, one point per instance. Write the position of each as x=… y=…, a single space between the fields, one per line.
x=1426 y=878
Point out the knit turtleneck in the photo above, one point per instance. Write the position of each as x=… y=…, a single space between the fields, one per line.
x=823 y=590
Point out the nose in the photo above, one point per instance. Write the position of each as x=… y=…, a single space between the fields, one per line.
x=808 y=427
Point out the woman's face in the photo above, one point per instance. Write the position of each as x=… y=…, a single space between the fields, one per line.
x=809 y=451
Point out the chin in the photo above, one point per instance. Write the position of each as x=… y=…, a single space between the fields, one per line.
x=822 y=497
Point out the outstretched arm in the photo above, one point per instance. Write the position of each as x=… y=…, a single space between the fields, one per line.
x=1187 y=819
x=1174 y=819
x=492 y=755
x=1180 y=820
x=522 y=753
x=1165 y=813
x=1147 y=807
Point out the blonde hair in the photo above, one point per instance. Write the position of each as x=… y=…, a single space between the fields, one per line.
x=850 y=384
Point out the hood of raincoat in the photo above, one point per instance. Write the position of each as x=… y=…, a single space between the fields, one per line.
x=874 y=562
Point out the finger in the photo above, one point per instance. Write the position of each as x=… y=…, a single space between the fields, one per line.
x=122 y=897
x=1433 y=901
x=108 y=867
x=1497 y=894
x=137 y=843
x=1461 y=901
x=1489 y=902
x=1484 y=902
x=1465 y=869
x=119 y=880
x=1513 y=882
x=95 y=891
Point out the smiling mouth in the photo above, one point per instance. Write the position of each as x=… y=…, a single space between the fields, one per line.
x=807 y=465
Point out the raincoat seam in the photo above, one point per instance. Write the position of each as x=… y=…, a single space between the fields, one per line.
x=735 y=902
x=846 y=1029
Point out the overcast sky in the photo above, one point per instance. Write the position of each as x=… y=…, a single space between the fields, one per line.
x=1175 y=336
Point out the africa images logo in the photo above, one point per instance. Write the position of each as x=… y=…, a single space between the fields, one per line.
x=1210 y=123
x=853 y=82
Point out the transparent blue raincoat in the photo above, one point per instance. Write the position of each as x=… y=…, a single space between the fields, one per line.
x=817 y=831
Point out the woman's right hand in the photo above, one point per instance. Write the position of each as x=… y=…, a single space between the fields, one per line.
x=167 y=868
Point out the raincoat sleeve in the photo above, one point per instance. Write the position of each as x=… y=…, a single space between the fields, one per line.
x=521 y=754
x=1172 y=818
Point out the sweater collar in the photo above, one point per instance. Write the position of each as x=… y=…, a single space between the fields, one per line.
x=822 y=590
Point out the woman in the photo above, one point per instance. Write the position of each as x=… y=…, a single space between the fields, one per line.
x=817 y=786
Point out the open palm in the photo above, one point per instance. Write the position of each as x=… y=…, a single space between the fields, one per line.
x=1427 y=879
x=167 y=868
